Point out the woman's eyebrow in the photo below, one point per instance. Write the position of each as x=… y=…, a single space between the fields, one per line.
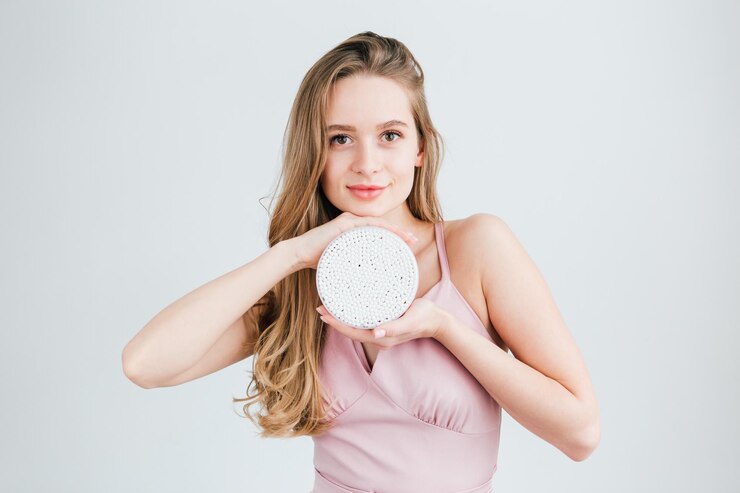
x=350 y=128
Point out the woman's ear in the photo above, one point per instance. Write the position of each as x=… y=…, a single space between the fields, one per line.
x=419 y=159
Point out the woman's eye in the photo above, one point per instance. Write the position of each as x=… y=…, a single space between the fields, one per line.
x=393 y=133
x=339 y=136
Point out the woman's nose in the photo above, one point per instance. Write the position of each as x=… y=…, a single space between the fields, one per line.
x=367 y=159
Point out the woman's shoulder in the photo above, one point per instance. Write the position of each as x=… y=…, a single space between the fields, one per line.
x=470 y=232
x=466 y=241
x=470 y=242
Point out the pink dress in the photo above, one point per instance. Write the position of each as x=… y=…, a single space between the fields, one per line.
x=417 y=421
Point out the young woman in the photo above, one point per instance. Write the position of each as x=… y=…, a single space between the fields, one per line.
x=414 y=404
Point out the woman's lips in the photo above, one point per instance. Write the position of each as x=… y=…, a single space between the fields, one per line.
x=366 y=193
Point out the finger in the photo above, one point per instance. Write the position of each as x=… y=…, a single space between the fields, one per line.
x=408 y=236
x=389 y=329
x=353 y=332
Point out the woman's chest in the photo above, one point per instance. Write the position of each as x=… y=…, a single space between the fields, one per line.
x=419 y=377
x=371 y=352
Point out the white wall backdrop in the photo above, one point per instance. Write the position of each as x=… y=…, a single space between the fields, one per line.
x=136 y=139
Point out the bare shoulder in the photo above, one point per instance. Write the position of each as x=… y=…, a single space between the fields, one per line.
x=471 y=236
x=466 y=240
x=477 y=227
x=492 y=247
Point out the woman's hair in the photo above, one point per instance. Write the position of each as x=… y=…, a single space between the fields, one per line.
x=285 y=369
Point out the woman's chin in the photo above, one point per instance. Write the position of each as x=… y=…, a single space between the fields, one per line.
x=366 y=210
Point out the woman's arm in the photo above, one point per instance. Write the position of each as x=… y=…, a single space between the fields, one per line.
x=546 y=388
x=183 y=333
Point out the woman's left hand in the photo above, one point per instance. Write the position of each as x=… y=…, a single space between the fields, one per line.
x=422 y=319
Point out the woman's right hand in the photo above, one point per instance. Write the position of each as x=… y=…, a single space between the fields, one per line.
x=311 y=244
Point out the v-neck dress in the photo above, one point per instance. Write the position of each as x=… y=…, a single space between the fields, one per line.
x=417 y=421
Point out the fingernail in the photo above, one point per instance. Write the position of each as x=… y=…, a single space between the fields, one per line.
x=379 y=333
x=318 y=309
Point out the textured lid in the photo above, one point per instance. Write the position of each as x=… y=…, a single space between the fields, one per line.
x=367 y=276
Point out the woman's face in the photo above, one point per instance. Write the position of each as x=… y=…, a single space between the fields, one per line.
x=372 y=141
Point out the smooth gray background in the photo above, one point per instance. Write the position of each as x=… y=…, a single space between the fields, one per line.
x=137 y=138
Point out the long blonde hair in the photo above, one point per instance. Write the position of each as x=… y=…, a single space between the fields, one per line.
x=285 y=368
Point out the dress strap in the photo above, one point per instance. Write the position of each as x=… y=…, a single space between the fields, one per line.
x=439 y=235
